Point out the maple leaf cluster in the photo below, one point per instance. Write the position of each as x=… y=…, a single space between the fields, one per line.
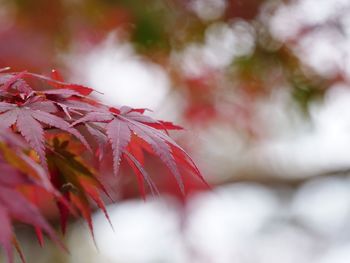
x=48 y=131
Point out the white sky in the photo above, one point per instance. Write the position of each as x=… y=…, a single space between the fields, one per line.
x=123 y=77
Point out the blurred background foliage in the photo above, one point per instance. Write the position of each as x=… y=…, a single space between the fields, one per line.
x=260 y=85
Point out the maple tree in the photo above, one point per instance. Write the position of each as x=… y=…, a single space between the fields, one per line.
x=48 y=129
x=56 y=140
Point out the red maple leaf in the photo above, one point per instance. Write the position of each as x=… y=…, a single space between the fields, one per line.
x=44 y=120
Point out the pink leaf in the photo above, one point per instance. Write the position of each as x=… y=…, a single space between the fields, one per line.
x=119 y=136
x=33 y=134
x=6 y=233
x=8 y=118
x=59 y=123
